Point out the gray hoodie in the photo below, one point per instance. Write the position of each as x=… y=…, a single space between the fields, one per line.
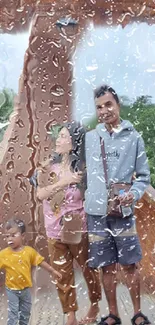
x=125 y=156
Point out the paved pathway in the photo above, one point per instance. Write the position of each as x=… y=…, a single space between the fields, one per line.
x=47 y=309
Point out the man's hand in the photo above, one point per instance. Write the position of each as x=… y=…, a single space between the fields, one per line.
x=126 y=199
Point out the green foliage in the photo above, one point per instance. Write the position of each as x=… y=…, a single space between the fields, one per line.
x=92 y=124
x=6 y=108
x=54 y=131
x=141 y=113
x=6 y=104
x=2 y=131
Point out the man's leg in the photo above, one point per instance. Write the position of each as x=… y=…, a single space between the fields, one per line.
x=109 y=284
x=103 y=254
x=132 y=279
x=129 y=254
x=13 y=307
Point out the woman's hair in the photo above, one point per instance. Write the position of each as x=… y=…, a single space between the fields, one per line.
x=77 y=154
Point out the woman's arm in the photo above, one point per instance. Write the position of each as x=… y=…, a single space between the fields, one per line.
x=49 y=190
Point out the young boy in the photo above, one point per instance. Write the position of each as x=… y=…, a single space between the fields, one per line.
x=17 y=260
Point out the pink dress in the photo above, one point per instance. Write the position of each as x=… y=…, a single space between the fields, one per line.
x=73 y=202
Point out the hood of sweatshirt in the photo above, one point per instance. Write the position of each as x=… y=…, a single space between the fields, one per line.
x=124 y=128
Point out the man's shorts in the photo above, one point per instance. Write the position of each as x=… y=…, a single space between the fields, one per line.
x=113 y=240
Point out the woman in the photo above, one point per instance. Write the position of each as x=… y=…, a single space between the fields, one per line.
x=67 y=165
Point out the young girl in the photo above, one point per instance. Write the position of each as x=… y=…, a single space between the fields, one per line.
x=67 y=167
x=17 y=260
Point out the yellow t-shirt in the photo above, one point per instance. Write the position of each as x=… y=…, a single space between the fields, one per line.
x=18 y=266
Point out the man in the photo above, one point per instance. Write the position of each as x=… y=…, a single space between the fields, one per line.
x=112 y=239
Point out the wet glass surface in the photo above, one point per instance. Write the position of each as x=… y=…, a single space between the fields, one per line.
x=48 y=72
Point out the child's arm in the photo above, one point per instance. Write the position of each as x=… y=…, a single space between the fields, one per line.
x=51 y=270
